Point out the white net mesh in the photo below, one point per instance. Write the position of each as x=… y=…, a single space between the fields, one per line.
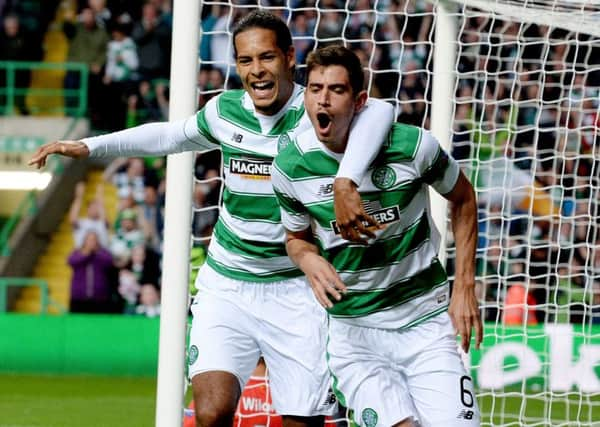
x=525 y=126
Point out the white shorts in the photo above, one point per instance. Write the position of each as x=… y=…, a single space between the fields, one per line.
x=236 y=322
x=387 y=376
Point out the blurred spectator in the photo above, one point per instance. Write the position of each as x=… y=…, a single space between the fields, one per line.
x=102 y=14
x=95 y=220
x=142 y=270
x=88 y=44
x=153 y=217
x=128 y=234
x=149 y=301
x=16 y=45
x=149 y=104
x=221 y=50
x=329 y=29
x=152 y=37
x=119 y=77
x=130 y=176
x=211 y=82
x=303 y=36
x=91 y=285
x=207 y=22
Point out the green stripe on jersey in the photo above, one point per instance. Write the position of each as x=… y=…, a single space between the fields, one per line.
x=252 y=207
x=238 y=153
x=289 y=121
x=299 y=165
x=203 y=127
x=381 y=253
x=402 y=144
x=289 y=204
x=230 y=108
x=247 y=248
x=272 y=276
x=357 y=303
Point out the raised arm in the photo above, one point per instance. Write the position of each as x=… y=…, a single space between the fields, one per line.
x=76 y=205
x=367 y=135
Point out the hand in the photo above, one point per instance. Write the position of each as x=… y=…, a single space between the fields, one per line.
x=350 y=214
x=74 y=149
x=323 y=279
x=80 y=189
x=464 y=313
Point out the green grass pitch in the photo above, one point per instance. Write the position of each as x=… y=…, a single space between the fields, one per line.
x=76 y=401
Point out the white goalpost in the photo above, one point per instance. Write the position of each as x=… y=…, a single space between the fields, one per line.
x=178 y=213
x=512 y=89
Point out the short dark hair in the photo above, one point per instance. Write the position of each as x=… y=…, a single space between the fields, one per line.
x=338 y=55
x=266 y=20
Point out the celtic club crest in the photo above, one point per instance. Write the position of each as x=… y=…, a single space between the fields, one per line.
x=282 y=142
x=383 y=177
x=369 y=417
x=192 y=355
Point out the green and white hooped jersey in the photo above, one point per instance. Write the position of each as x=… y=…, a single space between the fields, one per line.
x=249 y=240
x=397 y=280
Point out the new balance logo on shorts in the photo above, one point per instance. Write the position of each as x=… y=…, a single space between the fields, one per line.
x=329 y=400
x=466 y=414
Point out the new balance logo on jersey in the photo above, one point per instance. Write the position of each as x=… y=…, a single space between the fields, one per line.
x=250 y=169
x=237 y=137
x=466 y=414
x=325 y=190
x=383 y=216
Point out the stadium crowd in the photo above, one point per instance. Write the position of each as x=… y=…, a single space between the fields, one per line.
x=535 y=169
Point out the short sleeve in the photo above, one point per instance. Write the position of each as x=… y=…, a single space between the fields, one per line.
x=434 y=165
x=294 y=215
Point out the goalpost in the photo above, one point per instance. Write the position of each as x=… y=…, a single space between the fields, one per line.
x=512 y=89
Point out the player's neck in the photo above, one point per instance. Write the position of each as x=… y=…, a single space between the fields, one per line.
x=338 y=146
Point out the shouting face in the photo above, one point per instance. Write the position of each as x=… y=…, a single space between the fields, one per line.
x=331 y=104
x=265 y=70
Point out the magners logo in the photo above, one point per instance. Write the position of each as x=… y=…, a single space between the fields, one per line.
x=383 y=216
x=251 y=169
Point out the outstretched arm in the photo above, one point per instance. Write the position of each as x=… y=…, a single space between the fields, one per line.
x=464 y=308
x=321 y=275
x=146 y=140
x=367 y=135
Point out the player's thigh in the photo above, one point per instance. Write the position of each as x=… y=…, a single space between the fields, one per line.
x=292 y=341
x=221 y=338
x=439 y=384
x=364 y=379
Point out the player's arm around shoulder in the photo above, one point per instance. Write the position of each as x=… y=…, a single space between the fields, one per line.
x=368 y=132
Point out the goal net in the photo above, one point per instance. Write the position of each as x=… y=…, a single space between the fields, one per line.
x=525 y=87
